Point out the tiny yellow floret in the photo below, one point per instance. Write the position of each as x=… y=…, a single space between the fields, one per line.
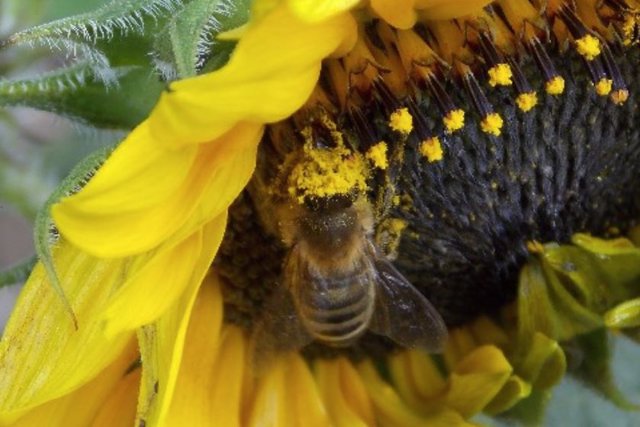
x=492 y=124
x=377 y=154
x=526 y=101
x=500 y=75
x=431 y=148
x=603 y=87
x=555 y=85
x=619 y=96
x=453 y=120
x=588 y=46
x=401 y=121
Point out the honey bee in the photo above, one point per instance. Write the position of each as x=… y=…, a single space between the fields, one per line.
x=336 y=285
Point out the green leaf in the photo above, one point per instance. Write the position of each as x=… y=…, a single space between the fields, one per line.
x=121 y=16
x=76 y=92
x=45 y=233
x=18 y=273
x=77 y=36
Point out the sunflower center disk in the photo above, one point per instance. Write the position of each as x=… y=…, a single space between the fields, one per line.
x=469 y=138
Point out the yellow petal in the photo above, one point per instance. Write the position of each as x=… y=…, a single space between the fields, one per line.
x=42 y=356
x=625 y=315
x=271 y=73
x=119 y=409
x=146 y=295
x=314 y=10
x=391 y=409
x=286 y=396
x=202 y=375
x=447 y=9
x=228 y=383
x=343 y=393
x=220 y=171
x=416 y=377
x=477 y=379
x=85 y=405
x=514 y=390
x=543 y=363
x=117 y=182
x=161 y=347
x=398 y=13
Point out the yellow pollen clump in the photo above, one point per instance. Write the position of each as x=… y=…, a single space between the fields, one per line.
x=603 y=87
x=588 y=46
x=326 y=172
x=401 y=121
x=555 y=86
x=619 y=96
x=492 y=124
x=431 y=149
x=500 y=75
x=628 y=29
x=453 y=120
x=378 y=155
x=397 y=225
x=526 y=101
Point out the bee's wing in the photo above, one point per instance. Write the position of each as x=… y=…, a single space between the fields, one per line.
x=279 y=329
x=402 y=313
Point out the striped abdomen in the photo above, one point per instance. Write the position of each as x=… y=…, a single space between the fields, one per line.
x=337 y=310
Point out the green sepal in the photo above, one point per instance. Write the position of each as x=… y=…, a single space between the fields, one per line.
x=545 y=305
x=45 y=233
x=529 y=411
x=188 y=44
x=618 y=260
x=595 y=367
x=625 y=315
x=17 y=273
x=541 y=362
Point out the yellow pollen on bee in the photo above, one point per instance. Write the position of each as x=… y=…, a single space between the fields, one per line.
x=326 y=172
x=453 y=120
x=588 y=46
x=431 y=149
x=555 y=86
x=500 y=75
x=526 y=101
x=619 y=96
x=603 y=87
x=492 y=124
x=401 y=121
x=377 y=154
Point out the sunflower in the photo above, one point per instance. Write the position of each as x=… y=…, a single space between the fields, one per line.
x=486 y=150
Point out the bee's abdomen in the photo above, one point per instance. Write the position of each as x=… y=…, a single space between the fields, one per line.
x=337 y=311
